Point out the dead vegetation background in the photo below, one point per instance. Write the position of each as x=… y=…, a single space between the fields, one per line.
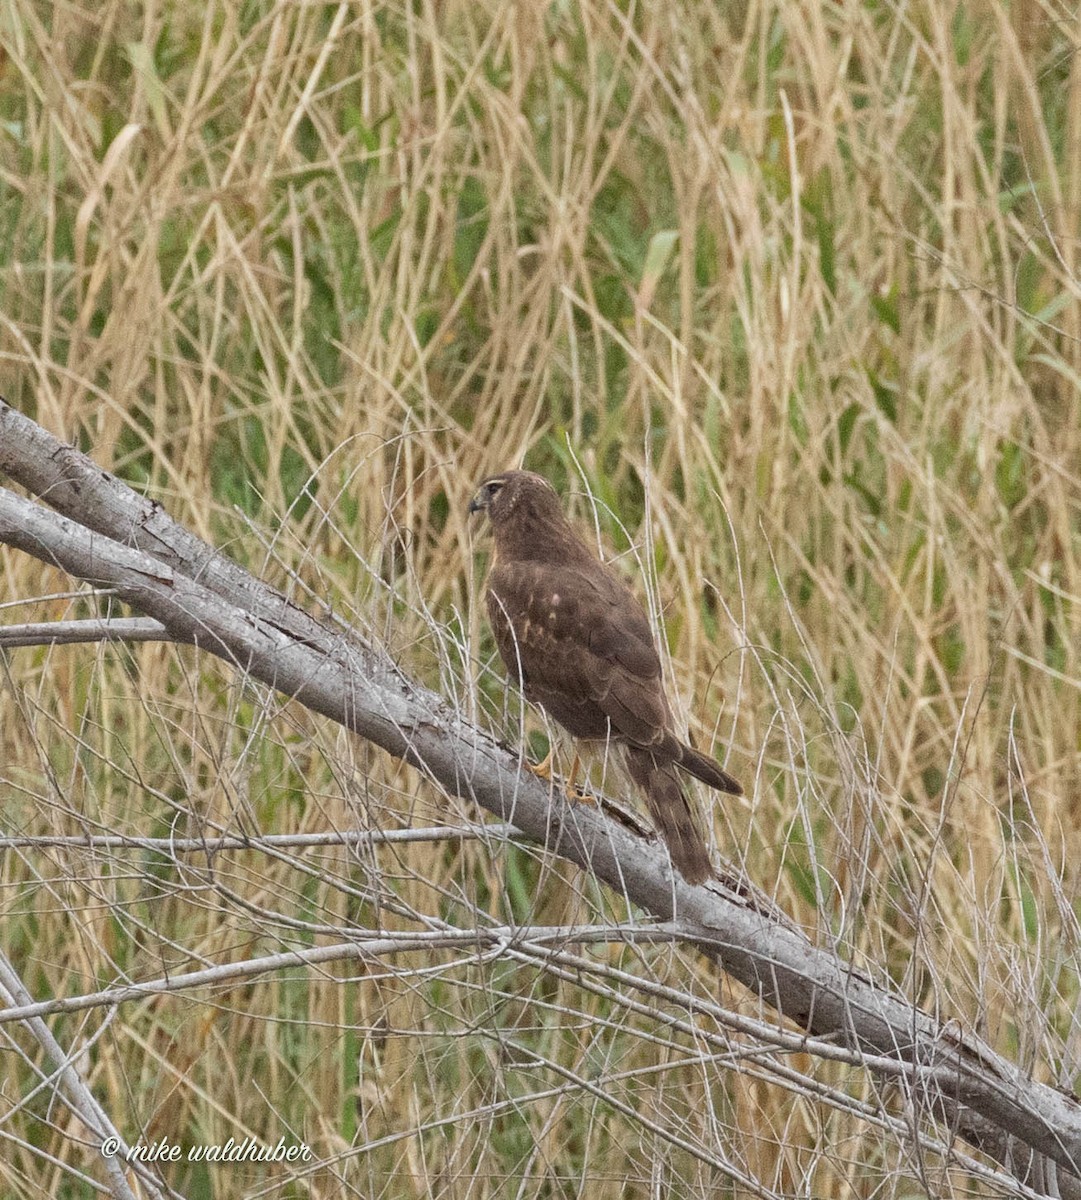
x=784 y=297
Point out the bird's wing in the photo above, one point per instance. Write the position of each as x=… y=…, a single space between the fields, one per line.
x=579 y=643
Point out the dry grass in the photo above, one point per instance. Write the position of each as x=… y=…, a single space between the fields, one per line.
x=785 y=297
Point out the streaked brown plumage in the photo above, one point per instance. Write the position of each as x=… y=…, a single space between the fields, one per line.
x=577 y=641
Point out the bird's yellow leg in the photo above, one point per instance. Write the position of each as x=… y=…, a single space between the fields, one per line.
x=542 y=770
x=570 y=786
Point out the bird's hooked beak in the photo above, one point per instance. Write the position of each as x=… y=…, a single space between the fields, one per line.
x=484 y=494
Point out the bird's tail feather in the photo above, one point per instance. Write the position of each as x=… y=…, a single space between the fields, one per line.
x=702 y=767
x=671 y=813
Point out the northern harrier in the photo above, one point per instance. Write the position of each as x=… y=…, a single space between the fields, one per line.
x=576 y=640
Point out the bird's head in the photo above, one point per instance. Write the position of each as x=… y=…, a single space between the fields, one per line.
x=524 y=510
x=501 y=496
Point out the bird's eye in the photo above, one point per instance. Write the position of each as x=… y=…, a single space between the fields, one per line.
x=493 y=486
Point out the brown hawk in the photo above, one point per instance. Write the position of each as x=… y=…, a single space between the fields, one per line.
x=578 y=643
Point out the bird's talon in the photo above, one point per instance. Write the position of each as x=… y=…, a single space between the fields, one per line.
x=542 y=770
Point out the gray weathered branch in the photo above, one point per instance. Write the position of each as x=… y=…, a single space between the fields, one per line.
x=107 y=535
x=69 y=633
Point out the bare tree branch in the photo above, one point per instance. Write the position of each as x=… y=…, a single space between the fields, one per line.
x=360 y=949
x=73 y=1088
x=121 y=541
x=263 y=841
x=67 y=633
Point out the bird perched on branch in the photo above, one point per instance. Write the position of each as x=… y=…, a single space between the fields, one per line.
x=577 y=642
